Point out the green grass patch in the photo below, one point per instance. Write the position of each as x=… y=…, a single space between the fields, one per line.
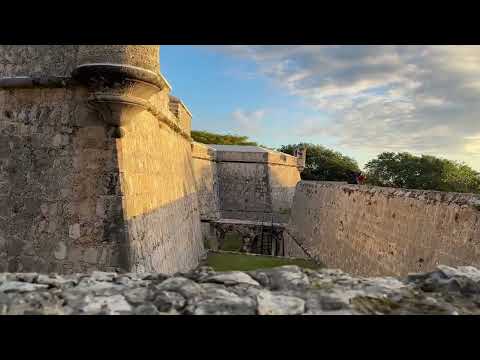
x=233 y=242
x=243 y=262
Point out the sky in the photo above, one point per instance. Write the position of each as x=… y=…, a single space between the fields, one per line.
x=360 y=100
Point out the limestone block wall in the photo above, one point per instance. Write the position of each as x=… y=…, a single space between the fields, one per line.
x=38 y=60
x=206 y=179
x=160 y=202
x=283 y=177
x=60 y=196
x=95 y=170
x=257 y=186
x=244 y=190
x=181 y=112
x=246 y=183
x=383 y=231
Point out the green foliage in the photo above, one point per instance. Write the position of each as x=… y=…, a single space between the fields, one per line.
x=426 y=172
x=323 y=164
x=206 y=137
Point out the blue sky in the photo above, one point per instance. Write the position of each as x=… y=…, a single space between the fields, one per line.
x=215 y=85
x=360 y=100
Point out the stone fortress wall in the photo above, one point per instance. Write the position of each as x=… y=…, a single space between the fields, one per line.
x=95 y=162
x=245 y=182
x=206 y=178
x=244 y=189
x=98 y=172
x=383 y=231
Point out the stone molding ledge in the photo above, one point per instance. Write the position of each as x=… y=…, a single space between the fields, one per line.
x=116 y=72
x=119 y=92
x=102 y=99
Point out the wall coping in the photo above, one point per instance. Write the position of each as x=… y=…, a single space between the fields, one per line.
x=203 y=152
x=267 y=157
x=175 y=99
x=460 y=199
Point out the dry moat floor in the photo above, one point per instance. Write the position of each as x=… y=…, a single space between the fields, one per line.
x=228 y=261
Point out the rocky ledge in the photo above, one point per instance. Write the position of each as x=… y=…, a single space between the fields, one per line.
x=287 y=290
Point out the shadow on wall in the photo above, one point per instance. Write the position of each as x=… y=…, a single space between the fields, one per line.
x=162 y=211
x=167 y=239
x=63 y=207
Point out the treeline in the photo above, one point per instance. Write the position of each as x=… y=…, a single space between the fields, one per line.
x=402 y=170
x=206 y=137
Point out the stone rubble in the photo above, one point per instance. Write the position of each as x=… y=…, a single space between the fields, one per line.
x=286 y=290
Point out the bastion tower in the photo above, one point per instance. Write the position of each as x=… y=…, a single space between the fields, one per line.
x=95 y=162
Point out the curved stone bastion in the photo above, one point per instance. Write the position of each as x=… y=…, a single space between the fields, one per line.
x=95 y=162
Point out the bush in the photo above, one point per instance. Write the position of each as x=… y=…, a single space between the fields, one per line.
x=425 y=172
x=323 y=164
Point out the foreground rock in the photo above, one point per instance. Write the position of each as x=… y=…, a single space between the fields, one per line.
x=287 y=290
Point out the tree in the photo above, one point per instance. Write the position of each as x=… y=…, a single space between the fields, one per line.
x=206 y=137
x=323 y=164
x=425 y=172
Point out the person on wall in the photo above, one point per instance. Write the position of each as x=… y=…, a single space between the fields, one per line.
x=353 y=178
x=356 y=178
x=360 y=178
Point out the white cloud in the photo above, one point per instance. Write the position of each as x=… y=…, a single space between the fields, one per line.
x=248 y=122
x=424 y=99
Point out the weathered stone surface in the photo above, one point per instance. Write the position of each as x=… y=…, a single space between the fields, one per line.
x=183 y=286
x=222 y=302
x=17 y=286
x=232 y=278
x=167 y=301
x=244 y=182
x=78 y=194
x=287 y=290
x=107 y=305
x=282 y=278
x=378 y=231
x=249 y=184
x=269 y=304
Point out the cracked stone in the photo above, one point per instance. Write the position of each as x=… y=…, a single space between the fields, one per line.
x=269 y=304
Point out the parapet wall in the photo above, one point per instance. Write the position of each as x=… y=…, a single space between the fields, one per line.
x=383 y=231
x=244 y=190
x=206 y=179
x=244 y=182
x=95 y=170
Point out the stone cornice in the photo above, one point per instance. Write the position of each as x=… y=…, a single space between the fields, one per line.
x=161 y=116
x=119 y=92
x=117 y=72
x=175 y=100
x=101 y=95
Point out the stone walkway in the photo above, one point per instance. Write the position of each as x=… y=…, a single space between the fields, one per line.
x=287 y=290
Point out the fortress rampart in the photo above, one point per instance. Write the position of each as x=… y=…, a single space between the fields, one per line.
x=247 y=190
x=251 y=183
x=95 y=162
x=98 y=171
x=383 y=231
